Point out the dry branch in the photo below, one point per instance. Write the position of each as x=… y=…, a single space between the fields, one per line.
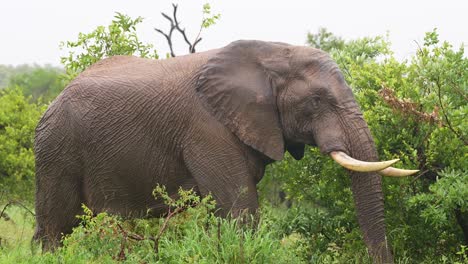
x=409 y=108
x=137 y=237
x=175 y=25
x=10 y=203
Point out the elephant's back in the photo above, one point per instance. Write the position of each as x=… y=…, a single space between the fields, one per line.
x=129 y=102
x=124 y=86
x=123 y=121
x=170 y=75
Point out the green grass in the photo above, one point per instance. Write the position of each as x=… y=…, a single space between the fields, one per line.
x=192 y=236
x=195 y=236
x=16 y=234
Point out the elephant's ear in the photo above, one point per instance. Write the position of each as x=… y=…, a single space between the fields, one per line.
x=236 y=87
x=296 y=150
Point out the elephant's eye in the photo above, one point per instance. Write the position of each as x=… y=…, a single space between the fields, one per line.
x=315 y=102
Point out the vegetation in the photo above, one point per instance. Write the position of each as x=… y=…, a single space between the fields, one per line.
x=42 y=83
x=119 y=38
x=416 y=110
x=18 y=118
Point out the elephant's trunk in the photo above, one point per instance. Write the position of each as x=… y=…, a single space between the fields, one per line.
x=367 y=192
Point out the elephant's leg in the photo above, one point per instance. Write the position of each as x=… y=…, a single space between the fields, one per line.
x=226 y=174
x=58 y=201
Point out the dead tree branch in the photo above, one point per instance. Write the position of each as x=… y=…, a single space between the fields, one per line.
x=408 y=108
x=10 y=203
x=137 y=237
x=175 y=25
x=164 y=226
x=171 y=30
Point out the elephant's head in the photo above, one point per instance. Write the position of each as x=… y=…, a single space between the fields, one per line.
x=276 y=97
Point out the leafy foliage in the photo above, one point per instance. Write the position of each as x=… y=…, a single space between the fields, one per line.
x=209 y=19
x=7 y=71
x=119 y=38
x=195 y=235
x=325 y=40
x=41 y=82
x=447 y=195
x=416 y=111
x=18 y=119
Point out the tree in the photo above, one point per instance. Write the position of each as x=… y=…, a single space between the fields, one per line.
x=325 y=40
x=40 y=82
x=119 y=38
x=18 y=119
x=416 y=110
x=6 y=71
x=207 y=21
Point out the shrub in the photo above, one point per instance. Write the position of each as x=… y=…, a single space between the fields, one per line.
x=193 y=235
x=416 y=111
x=43 y=83
x=119 y=38
x=18 y=119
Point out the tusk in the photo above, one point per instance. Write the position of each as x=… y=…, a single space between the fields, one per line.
x=394 y=172
x=358 y=165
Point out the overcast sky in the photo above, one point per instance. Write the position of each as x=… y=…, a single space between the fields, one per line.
x=31 y=30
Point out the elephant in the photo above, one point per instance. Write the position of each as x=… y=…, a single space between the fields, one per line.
x=210 y=121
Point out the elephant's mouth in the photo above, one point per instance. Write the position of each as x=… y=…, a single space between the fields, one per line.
x=381 y=167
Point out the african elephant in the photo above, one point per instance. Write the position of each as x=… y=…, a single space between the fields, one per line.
x=210 y=121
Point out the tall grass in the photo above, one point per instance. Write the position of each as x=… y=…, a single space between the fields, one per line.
x=302 y=234
x=195 y=235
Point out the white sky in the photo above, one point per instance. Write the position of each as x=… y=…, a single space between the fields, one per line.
x=31 y=30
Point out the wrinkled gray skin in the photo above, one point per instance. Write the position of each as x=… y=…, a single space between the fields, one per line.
x=210 y=121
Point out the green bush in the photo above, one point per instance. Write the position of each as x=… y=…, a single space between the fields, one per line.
x=190 y=233
x=43 y=83
x=18 y=119
x=416 y=111
x=118 y=38
x=192 y=236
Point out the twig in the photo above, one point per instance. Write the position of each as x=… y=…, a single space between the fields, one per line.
x=126 y=235
x=175 y=24
x=138 y=237
x=10 y=203
x=449 y=125
x=219 y=234
x=419 y=47
x=407 y=107
x=4 y=208
x=164 y=226
x=419 y=176
x=169 y=36
x=182 y=31
x=241 y=247
x=197 y=39
x=121 y=255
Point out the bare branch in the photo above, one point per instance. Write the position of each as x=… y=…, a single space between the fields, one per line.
x=175 y=25
x=4 y=208
x=168 y=36
x=408 y=108
x=10 y=203
x=164 y=226
x=197 y=40
x=419 y=47
x=138 y=237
